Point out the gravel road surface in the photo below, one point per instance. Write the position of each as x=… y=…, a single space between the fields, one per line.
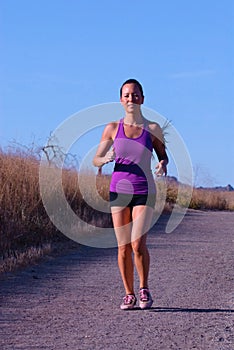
x=72 y=301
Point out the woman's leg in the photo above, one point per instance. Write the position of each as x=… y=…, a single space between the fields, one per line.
x=122 y=224
x=142 y=218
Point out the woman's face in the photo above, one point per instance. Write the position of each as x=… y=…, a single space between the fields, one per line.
x=131 y=97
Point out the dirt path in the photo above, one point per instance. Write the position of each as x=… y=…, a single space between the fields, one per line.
x=72 y=301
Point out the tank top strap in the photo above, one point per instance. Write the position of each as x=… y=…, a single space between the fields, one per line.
x=147 y=135
x=146 y=125
x=120 y=131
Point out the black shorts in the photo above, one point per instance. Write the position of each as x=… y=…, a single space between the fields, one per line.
x=131 y=200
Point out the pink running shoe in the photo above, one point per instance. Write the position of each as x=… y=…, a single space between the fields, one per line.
x=129 y=301
x=146 y=300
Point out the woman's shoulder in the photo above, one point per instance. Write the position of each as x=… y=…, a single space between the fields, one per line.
x=111 y=129
x=155 y=131
x=112 y=125
x=152 y=125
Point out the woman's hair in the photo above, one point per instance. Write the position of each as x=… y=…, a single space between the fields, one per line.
x=132 y=81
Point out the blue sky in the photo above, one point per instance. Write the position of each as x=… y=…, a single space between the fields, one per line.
x=60 y=57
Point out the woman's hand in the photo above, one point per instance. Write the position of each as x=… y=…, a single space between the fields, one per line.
x=161 y=168
x=110 y=156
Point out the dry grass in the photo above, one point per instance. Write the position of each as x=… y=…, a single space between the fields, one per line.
x=24 y=258
x=202 y=199
x=212 y=199
x=26 y=231
x=25 y=228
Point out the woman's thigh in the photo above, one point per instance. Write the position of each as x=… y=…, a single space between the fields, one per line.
x=122 y=221
x=142 y=216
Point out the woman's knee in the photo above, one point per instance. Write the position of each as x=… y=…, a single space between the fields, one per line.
x=125 y=250
x=139 y=247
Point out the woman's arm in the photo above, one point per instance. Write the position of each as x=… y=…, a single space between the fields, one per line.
x=159 y=147
x=104 y=154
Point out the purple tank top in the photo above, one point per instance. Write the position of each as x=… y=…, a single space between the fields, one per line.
x=132 y=172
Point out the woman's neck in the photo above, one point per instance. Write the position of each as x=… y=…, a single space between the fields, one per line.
x=133 y=119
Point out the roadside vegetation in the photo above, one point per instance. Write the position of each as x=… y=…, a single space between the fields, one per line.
x=26 y=232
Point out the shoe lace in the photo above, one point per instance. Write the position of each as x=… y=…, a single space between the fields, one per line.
x=128 y=299
x=144 y=295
